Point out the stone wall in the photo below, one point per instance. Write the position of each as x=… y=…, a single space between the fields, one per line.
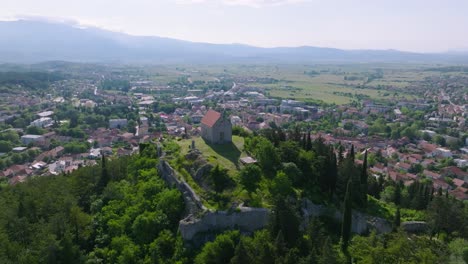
x=414 y=226
x=201 y=221
x=193 y=203
x=360 y=223
x=245 y=219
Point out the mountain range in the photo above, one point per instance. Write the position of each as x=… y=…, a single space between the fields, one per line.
x=29 y=41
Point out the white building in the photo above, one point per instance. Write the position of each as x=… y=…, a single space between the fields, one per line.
x=461 y=162
x=42 y=122
x=45 y=114
x=443 y=152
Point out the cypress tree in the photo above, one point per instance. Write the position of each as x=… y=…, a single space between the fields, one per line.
x=397 y=199
x=333 y=172
x=364 y=181
x=340 y=153
x=309 y=141
x=351 y=153
x=304 y=141
x=104 y=179
x=347 y=218
x=397 y=220
x=241 y=254
x=439 y=191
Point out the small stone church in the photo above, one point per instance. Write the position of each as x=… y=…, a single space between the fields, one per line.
x=215 y=128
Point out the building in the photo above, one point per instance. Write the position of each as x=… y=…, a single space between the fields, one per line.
x=26 y=139
x=117 y=123
x=443 y=153
x=42 y=122
x=216 y=129
x=290 y=105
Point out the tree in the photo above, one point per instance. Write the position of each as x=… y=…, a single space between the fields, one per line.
x=308 y=142
x=289 y=151
x=219 y=178
x=281 y=186
x=221 y=250
x=397 y=196
x=267 y=157
x=250 y=176
x=34 y=130
x=285 y=220
x=347 y=218
x=364 y=178
x=241 y=255
x=5 y=146
x=104 y=178
x=397 y=219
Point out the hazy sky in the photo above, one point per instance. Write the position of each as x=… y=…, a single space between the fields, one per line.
x=413 y=25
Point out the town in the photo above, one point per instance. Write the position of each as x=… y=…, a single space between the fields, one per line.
x=95 y=112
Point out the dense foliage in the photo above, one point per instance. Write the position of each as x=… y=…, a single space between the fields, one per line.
x=29 y=80
x=117 y=212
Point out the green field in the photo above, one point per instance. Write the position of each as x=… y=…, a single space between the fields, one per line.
x=329 y=85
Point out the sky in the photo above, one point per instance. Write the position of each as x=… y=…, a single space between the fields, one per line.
x=409 y=25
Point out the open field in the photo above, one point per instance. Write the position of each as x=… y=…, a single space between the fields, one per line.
x=328 y=83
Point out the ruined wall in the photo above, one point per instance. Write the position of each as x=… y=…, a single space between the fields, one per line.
x=414 y=226
x=245 y=219
x=193 y=203
x=200 y=220
x=360 y=223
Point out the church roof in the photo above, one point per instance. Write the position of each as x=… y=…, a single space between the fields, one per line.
x=211 y=118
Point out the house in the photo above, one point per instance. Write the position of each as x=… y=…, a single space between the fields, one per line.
x=216 y=128
x=26 y=139
x=443 y=153
x=42 y=122
x=431 y=174
x=453 y=171
x=117 y=123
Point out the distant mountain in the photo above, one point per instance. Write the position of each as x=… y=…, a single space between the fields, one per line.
x=26 y=41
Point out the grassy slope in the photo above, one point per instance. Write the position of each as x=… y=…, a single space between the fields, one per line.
x=225 y=155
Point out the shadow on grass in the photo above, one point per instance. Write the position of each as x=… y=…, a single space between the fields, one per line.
x=227 y=150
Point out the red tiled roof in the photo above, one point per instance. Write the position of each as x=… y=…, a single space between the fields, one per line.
x=211 y=118
x=458 y=182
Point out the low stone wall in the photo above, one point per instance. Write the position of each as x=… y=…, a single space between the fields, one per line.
x=245 y=219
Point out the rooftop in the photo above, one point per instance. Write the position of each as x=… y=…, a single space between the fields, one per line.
x=211 y=118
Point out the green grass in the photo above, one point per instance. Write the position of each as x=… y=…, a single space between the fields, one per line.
x=225 y=155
